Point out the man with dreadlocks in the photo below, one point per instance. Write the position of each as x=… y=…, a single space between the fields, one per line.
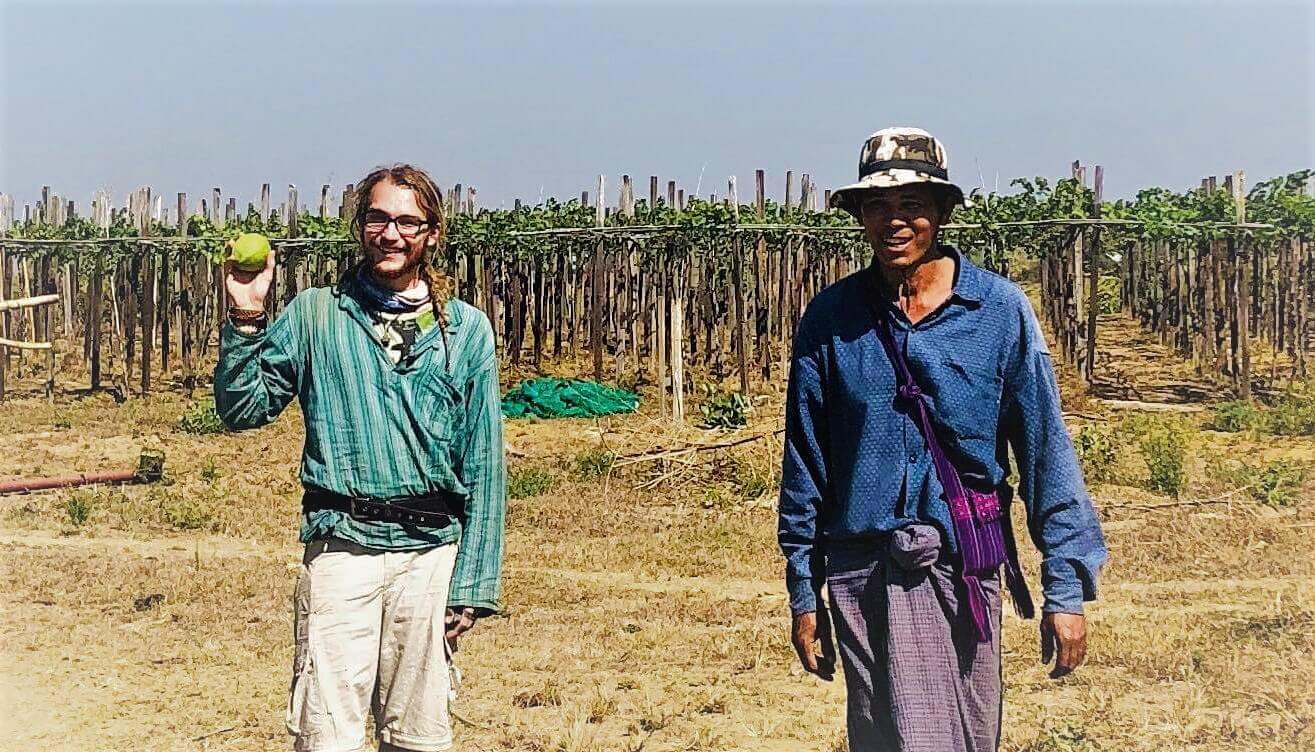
x=403 y=469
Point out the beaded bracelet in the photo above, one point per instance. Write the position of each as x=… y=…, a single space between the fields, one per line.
x=243 y=315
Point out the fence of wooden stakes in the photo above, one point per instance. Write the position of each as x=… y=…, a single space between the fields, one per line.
x=655 y=289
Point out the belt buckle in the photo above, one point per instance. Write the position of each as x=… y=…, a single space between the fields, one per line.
x=355 y=506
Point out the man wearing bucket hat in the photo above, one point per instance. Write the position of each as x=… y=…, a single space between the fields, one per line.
x=910 y=382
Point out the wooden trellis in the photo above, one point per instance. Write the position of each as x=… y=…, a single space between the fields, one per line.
x=644 y=305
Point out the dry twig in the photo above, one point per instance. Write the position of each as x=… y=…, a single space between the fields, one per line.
x=636 y=458
x=216 y=732
x=1224 y=498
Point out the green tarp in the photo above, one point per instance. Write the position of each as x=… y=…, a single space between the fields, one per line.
x=566 y=398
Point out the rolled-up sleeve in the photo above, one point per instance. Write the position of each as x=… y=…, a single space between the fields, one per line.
x=476 y=581
x=803 y=479
x=1061 y=519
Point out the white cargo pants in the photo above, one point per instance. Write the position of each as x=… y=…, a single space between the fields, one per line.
x=369 y=637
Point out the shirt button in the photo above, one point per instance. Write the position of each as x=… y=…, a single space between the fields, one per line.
x=913 y=458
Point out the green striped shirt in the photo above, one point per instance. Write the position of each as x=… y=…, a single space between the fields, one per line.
x=383 y=429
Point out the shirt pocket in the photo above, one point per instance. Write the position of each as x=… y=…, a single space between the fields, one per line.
x=437 y=406
x=968 y=400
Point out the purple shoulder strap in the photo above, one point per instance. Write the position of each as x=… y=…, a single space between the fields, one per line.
x=977 y=517
x=909 y=390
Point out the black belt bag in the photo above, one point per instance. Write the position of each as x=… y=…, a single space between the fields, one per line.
x=437 y=511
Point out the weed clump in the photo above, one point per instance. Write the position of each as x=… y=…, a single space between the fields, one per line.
x=525 y=482
x=1098 y=451
x=724 y=410
x=593 y=463
x=1235 y=416
x=78 y=507
x=548 y=695
x=1273 y=483
x=1163 y=442
x=201 y=418
x=186 y=514
x=1294 y=413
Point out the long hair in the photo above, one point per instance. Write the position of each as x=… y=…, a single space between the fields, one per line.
x=430 y=200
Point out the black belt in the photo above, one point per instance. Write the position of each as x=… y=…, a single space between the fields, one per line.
x=437 y=511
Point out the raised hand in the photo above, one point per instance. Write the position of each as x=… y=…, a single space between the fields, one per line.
x=248 y=289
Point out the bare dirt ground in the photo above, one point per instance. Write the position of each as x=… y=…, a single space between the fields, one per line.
x=645 y=608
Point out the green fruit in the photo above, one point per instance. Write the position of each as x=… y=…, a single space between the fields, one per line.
x=250 y=251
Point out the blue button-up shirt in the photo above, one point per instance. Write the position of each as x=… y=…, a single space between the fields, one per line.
x=856 y=465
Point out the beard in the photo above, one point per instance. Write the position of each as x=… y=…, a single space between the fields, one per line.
x=409 y=265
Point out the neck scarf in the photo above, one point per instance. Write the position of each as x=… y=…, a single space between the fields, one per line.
x=391 y=301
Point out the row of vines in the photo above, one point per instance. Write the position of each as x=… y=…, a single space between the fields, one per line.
x=656 y=289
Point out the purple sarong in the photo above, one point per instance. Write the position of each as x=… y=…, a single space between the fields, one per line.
x=916 y=676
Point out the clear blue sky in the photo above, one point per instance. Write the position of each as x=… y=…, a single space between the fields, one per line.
x=519 y=98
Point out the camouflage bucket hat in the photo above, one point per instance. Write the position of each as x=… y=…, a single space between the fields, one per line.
x=893 y=157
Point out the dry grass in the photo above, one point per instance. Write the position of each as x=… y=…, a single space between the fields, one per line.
x=644 y=607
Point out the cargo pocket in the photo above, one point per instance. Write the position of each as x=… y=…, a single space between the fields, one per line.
x=301 y=721
x=306 y=718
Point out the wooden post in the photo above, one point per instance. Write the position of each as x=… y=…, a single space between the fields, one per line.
x=679 y=286
x=471 y=291
x=1182 y=337
x=485 y=270
x=66 y=276
x=662 y=311
x=321 y=262
x=44 y=284
x=6 y=223
x=1076 y=333
x=164 y=309
x=515 y=307
x=785 y=290
x=1219 y=326
x=560 y=302
x=457 y=208
x=147 y=293
x=539 y=290
x=1298 y=282
x=185 y=298
x=1093 y=302
x=342 y=260
x=264 y=203
x=596 y=282
x=290 y=257
x=1205 y=274
x=212 y=280
x=1243 y=289
x=634 y=306
x=737 y=281
x=123 y=300
x=647 y=282
x=1302 y=282
x=761 y=308
x=100 y=210
x=126 y=290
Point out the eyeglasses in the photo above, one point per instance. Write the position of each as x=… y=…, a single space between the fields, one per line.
x=407 y=226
